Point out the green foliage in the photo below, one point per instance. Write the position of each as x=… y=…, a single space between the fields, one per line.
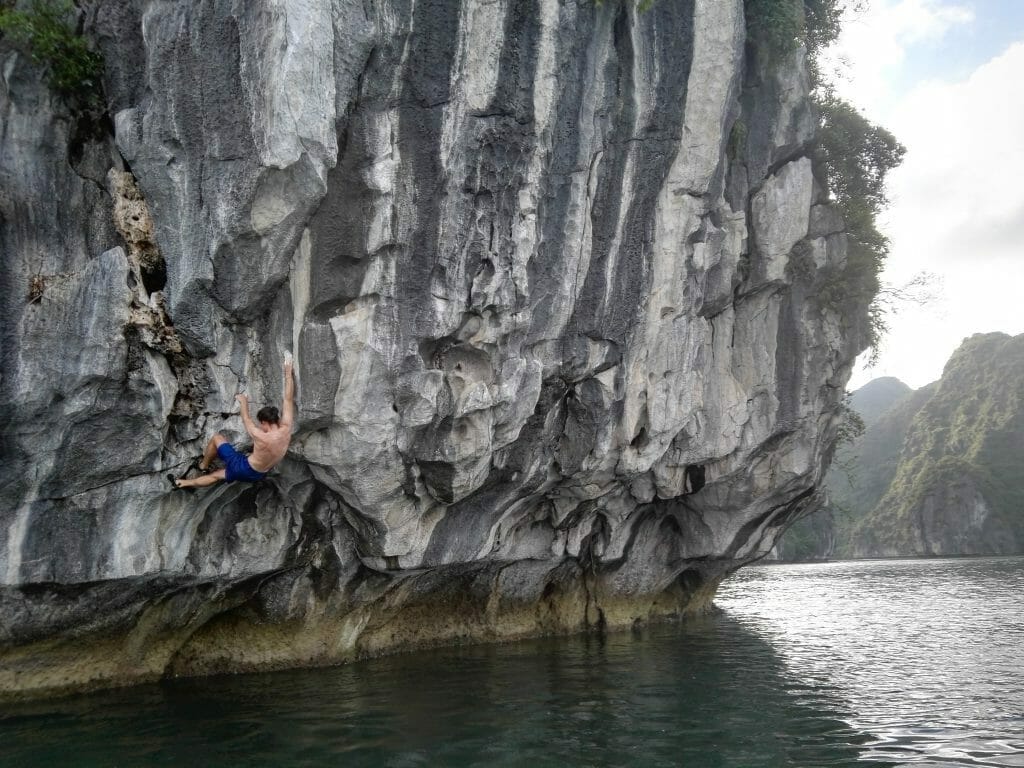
x=809 y=538
x=778 y=27
x=960 y=436
x=862 y=470
x=823 y=20
x=854 y=156
x=641 y=5
x=737 y=139
x=47 y=30
x=851 y=426
x=857 y=155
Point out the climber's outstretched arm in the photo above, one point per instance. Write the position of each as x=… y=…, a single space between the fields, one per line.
x=288 y=406
x=250 y=426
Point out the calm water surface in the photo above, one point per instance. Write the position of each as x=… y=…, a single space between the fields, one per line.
x=878 y=663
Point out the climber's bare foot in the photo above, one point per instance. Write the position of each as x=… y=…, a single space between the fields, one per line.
x=203 y=481
x=175 y=482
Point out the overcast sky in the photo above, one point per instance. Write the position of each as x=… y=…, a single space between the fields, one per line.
x=947 y=78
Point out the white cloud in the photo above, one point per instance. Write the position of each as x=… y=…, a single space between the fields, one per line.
x=874 y=42
x=977 y=300
x=957 y=205
x=957 y=197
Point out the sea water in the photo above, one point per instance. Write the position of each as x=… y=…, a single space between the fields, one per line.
x=884 y=663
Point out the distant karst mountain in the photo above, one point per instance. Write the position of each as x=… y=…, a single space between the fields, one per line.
x=937 y=471
x=877 y=396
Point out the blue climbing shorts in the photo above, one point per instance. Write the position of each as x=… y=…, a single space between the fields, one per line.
x=236 y=465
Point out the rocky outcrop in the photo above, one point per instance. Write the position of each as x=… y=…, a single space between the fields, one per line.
x=936 y=470
x=860 y=473
x=954 y=486
x=551 y=274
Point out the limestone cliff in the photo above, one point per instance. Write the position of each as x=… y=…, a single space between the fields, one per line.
x=551 y=274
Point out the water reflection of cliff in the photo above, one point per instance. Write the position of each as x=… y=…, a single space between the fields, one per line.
x=706 y=693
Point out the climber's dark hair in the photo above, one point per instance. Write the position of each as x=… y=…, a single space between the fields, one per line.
x=268 y=414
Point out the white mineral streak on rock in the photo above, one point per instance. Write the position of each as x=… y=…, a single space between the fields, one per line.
x=358 y=458
x=577 y=245
x=515 y=396
x=381 y=178
x=179 y=522
x=363 y=353
x=480 y=43
x=473 y=76
x=293 y=82
x=272 y=204
x=135 y=545
x=78 y=320
x=794 y=83
x=717 y=52
x=300 y=279
x=642 y=78
x=664 y=380
x=15 y=543
x=160 y=373
x=266 y=538
x=781 y=211
x=525 y=234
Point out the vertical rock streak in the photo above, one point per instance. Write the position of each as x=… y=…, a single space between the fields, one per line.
x=561 y=360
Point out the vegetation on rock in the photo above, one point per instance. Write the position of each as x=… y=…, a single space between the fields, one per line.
x=863 y=470
x=776 y=27
x=852 y=156
x=47 y=30
x=937 y=470
x=780 y=26
x=957 y=486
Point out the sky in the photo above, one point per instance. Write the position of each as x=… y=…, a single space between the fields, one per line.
x=946 y=77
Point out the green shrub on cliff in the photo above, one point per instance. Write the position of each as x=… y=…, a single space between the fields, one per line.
x=779 y=26
x=46 y=29
x=853 y=156
x=776 y=25
x=641 y=5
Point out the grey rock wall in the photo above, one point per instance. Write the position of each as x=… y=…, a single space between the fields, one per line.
x=549 y=271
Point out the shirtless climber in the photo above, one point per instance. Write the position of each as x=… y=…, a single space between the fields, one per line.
x=270 y=439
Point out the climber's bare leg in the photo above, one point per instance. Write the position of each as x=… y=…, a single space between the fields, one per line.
x=202 y=481
x=211 y=451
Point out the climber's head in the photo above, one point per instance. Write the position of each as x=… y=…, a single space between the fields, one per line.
x=268 y=416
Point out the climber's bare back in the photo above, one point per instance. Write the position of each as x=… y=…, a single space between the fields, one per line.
x=270 y=441
x=269 y=445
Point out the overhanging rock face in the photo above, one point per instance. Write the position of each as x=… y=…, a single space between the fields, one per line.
x=551 y=274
